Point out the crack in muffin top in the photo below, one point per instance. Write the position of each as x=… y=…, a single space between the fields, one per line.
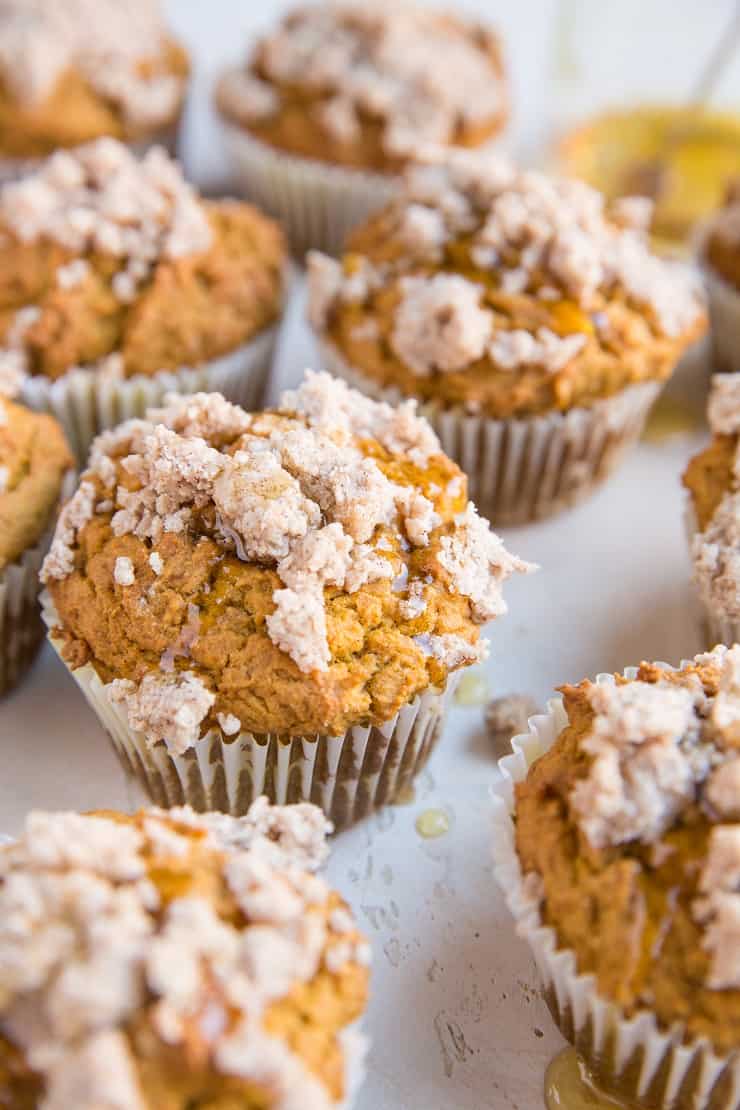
x=298 y=570
x=171 y=955
x=505 y=290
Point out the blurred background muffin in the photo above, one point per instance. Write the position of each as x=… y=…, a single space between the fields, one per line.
x=278 y=602
x=35 y=470
x=162 y=962
x=75 y=70
x=720 y=259
x=617 y=847
x=530 y=319
x=355 y=88
x=118 y=284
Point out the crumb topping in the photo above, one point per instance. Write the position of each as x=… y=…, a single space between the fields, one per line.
x=439 y=324
x=719 y=909
x=329 y=493
x=91 y=947
x=419 y=76
x=716 y=555
x=723 y=409
x=104 y=41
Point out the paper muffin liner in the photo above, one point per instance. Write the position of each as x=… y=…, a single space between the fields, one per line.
x=85 y=401
x=317 y=203
x=347 y=776
x=13 y=169
x=724 y=318
x=632 y=1057
x=21 y=626
x=525 y=469
x=718 y=627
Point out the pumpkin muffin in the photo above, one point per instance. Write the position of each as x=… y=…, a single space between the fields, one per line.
x=35 y=465
x=712 y=479
x=334 y=102
x=532 y=322
x=276 y=602
x=720 y=256
x=163 y=961
x=119 y=284
x=72 y=71
x=619 y=852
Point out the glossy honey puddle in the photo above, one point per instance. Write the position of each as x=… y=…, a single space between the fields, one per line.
x=568 y=1087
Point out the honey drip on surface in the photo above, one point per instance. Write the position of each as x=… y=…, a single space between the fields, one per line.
x=432 y=823
x=569 y=1087
x=472 y=690
x=670 y=417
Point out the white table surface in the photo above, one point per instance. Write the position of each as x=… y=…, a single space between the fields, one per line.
x=455 y=1016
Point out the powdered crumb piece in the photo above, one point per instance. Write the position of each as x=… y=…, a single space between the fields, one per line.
x=78 y=511
x=164 y=707
x=419 y=515
x=365 y=566
x=59 y=840
x=4 y=477
x=13 y=371
x=517 y=348
x=73 y=273
x=422 y=229
x=451 y=650
x=722 y=790
x=723 y=409
x=644 y=766
x=319 y=559
x=508 y=716
x=298 y=627
x=340 y=119
x=247 y=97
x=634 y=212
x=478 y=564
x=414 y=604
x=439 y=324
x=99 y=1075
x=324 y=281
x=156 y=562
x=716 y=556
x=229 y=724
x=719 y=909
x=207 y=415
x=726 y=705
x=123 y=572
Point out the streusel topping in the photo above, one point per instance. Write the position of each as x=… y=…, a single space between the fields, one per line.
x=123 y=938
x=105 y=40
x=331 y=494
x=421 y=75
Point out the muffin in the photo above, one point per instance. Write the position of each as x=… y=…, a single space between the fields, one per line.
x=332 y=104
x=713 y=517
x=617 y=845
x=119 y=284
x=275 y=603
x=720 y=257
x=73 y=71
x=531 y=321
x=35 y=467
x=163 y=961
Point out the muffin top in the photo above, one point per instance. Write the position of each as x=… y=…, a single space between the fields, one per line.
x=722 y=240
x=506 y=291
x=34 y=458
x=628 y=829
x=172 y=959
x=73 y=70
x=362 y=85
x=295 y=571
x=113 y=263
x=713 y=481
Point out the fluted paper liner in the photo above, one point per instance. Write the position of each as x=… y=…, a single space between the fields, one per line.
x=85 y=401
x=316 y=202
x=21 y=626
x=346 y=776
x=724 y=318
x=521 y=470
x=633 y=1057
x=719 y=628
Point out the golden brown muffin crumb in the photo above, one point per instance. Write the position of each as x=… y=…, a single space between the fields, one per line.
x=364 y=86
x=34 y=458
x=171 y=959
x=131 y=279
x=504 y=291
x=297 y=571
x=625 y=820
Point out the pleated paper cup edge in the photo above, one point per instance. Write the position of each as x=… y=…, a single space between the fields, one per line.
x=717 y=627
x=590 y=1012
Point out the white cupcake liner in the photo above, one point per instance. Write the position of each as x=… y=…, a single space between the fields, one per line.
x=85 y=401
x=632 y=1056
x=724 y=318
x=355 y=1046
x=13 y=169
x=21 y=626
x=521 y=470
x=317 y=203
x=719 y=628
x=346 y=776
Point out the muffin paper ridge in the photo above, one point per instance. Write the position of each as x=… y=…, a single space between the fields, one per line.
x=348 y=776
x=520 y=470
x=633 y=1055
